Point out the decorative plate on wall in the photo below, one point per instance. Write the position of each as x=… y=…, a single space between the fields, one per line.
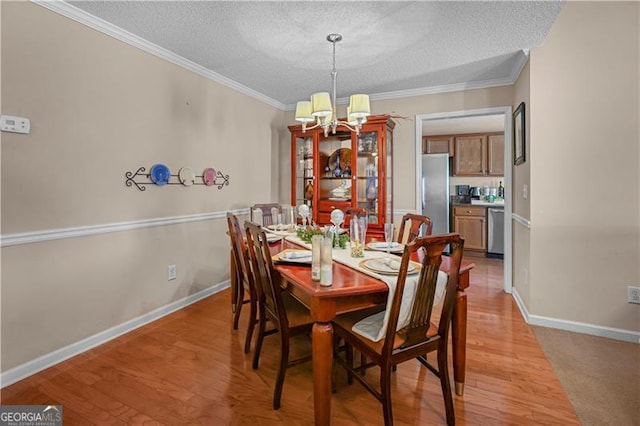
x=160 y=174
x=187 y=176
x=209 y=176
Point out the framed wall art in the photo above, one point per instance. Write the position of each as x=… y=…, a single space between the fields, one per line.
x=519 y=135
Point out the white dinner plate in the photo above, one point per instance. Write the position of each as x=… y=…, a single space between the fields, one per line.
x=388 y=267
x=272 y=238
x=187 y=176
x=279 y=230
x=382 y=246
x=293 y=256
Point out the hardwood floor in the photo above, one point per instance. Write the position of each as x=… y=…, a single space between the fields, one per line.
x=189 y=368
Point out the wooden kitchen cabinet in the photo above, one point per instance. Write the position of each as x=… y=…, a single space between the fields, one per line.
x=344 y=170
x=495 y=155
x=471 y=223
x=478 y=155
x=437 y=145
x=470 y=155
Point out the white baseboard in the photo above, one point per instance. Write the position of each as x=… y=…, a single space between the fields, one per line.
x=574 y=326
x=45 y=361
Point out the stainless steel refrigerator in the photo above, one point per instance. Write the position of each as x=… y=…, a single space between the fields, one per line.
x=435 y=191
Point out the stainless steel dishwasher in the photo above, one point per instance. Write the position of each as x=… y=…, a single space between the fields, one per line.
x=496 y=232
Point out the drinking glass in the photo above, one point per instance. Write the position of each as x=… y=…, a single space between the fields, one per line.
x=358 y=231
x=276 y=217
x=326 y=261
x=287 y=217
x=388 y=237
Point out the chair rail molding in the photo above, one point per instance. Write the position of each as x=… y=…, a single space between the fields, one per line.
x=521 y=220
x=84 y=231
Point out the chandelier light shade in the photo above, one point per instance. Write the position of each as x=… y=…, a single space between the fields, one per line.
x=359 y=105
x=303 y=112
x=321 y=104
x=322 y=107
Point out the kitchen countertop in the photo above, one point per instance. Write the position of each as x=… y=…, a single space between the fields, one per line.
x=483 y=203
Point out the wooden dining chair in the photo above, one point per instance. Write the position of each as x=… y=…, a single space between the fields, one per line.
x=422 y=334
x=267 y=216
x=288 y=316
x=244 y=279
x=411 y=224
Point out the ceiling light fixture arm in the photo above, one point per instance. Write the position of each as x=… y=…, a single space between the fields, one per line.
x=322 y=107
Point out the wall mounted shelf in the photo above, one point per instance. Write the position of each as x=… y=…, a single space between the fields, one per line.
x=141 y=178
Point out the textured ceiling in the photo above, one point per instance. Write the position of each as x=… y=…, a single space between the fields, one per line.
x=279 y=49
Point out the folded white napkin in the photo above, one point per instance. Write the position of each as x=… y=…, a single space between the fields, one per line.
x=384 y=245
x=296 y=254
x=374 y=327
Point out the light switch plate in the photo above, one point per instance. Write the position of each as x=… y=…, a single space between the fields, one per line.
x=10 y=123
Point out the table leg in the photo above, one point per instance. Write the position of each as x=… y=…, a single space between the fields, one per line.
x=459 y=340
x=322 y=345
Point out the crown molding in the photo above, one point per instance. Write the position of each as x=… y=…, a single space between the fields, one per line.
x=79 y=15
x=82 y=17
x=432 y=90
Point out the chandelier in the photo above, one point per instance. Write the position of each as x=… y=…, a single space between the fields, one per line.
x=322 y=107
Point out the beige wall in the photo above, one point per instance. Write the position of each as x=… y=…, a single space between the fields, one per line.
x=99 y=108
x=521 y=206
x=585 y=165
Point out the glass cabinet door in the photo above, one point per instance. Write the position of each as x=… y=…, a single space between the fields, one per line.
x=368 y=172
x=335 y=169
x=303 y=175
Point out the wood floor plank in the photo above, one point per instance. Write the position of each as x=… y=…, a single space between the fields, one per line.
x=190 y=368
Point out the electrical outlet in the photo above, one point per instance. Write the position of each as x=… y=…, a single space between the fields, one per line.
x=633 y=294
x=172 y=272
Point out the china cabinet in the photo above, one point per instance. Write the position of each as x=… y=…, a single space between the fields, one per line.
x=345 y=170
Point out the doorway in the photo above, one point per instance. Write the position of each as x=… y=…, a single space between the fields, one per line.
x=423 y=121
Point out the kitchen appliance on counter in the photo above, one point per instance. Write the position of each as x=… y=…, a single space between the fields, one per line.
x=462 y=190
x=435 y=191
x=474 y=191
x=495 y=232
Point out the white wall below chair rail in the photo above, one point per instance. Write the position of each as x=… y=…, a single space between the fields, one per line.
x=45 y=361
x=574 y=326
x=83 y=231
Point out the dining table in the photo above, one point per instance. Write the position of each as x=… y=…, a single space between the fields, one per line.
x=351 y=290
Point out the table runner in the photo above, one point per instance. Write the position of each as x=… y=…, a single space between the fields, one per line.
x=374 y=327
